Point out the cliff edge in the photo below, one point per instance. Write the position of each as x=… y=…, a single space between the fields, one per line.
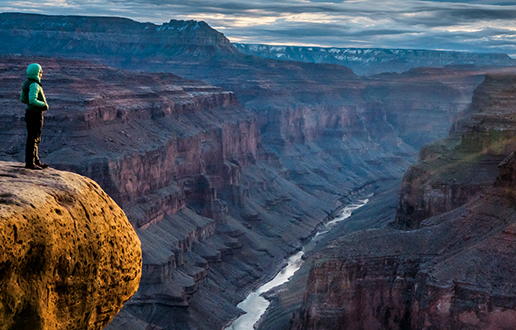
x=69 y=258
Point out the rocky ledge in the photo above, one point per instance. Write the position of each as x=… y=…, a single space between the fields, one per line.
x=69 y=258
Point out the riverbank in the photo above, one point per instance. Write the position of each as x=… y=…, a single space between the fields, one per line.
x=255 y=304
x=287 y=299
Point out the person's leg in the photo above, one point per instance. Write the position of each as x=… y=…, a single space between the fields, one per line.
x=37 y=141
x=34 y=126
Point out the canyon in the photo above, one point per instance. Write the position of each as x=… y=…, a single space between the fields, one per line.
x=444 y=260
x=224 y=171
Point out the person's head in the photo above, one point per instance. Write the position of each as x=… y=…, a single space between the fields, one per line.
x=34 y=71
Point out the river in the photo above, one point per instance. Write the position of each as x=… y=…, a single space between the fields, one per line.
x=255 y=305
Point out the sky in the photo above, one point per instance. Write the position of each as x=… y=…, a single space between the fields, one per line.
x=476 y=25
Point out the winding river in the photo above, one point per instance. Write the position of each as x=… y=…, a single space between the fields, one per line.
x=255 y=305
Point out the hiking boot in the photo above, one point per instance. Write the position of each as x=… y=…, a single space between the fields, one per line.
x=33 y=167
x=42 y=165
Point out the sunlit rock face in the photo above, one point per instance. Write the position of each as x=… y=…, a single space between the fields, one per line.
x=69 y=259
x=453 y=268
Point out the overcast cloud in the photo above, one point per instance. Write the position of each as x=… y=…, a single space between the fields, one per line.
x=475 y=25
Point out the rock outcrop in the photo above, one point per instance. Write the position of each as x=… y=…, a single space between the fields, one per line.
x=69 y=259
x=454 y=268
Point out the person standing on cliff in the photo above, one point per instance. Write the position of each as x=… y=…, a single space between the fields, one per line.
x=32 y=95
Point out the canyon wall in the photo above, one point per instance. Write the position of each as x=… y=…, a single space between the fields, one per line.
x=163 y=147
x=186 y=162
x=452 y=268
x=69 y=259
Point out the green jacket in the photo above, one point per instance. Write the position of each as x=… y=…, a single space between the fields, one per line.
x=32 y=92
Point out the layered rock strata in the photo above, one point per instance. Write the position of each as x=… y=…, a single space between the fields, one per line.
x=452 y=171
x=454 y=273
x=202 y=194
x=69 y=259
x=454 y=269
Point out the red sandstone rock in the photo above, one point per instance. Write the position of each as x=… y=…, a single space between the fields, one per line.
x=455 y=273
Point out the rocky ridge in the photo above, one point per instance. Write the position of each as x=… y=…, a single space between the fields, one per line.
x=69 y=259
x=453 y=268
x=111 y=37
x=370 y=61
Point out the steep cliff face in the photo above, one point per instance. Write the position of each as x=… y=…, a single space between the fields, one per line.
x=184 y=161
x=454 y=269
x=69 y=259
x=452 y=171
x=163 y=146
x=125 y=134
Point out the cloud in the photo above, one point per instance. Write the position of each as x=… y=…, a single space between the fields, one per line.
x=475 y=25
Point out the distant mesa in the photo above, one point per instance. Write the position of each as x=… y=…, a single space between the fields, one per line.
x=369 y=61
x=83 y=36
x=69 y=259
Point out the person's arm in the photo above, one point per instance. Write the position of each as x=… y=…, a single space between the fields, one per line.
x=33 y=97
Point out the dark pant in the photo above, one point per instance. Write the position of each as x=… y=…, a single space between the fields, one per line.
x=34 y=120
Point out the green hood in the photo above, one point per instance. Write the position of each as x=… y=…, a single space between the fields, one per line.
x=33 y=71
